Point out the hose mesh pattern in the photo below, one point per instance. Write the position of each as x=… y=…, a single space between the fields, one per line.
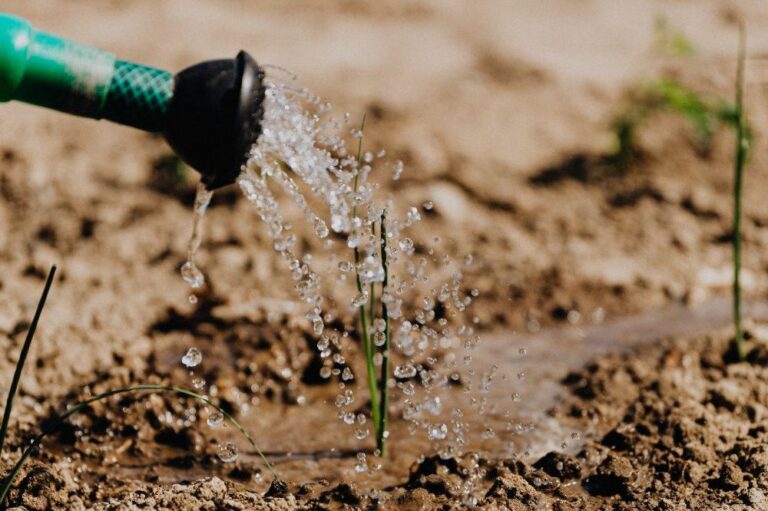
x=138 y=96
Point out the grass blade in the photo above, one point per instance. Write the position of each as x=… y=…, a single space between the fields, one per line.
x=123 y=390
x=740 y=157
x=366 y=340
x=23 y=357
x=383 y=382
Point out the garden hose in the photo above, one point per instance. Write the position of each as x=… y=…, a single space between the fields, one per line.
x=210 y=113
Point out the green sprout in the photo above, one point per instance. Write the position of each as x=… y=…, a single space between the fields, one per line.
x=23 y=357
x=667 y=94
x=7 y=482
x=378 y=388
x=739 y=162
x=672 y=41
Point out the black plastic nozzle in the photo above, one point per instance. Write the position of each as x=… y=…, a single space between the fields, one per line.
x=215 y=115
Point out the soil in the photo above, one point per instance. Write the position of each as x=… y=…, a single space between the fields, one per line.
x=501 y=113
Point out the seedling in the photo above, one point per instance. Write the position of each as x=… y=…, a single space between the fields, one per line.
x=739 y=162
x=7 y=482
x=378 y=388
x=666 y=94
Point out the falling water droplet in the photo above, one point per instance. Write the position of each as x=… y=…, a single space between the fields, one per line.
x=360 y=299
x=321 y=230
x=192 y=358
x=215 y=419
x=192 y=274
x=228 y=452
x=379 y=338
x=405 y=371
x=437 y=431
x=362 y=464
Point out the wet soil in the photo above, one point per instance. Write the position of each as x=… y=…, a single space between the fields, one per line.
x=501 y=114
x=672 y=424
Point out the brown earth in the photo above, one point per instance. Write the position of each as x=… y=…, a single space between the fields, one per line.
x=501 y=112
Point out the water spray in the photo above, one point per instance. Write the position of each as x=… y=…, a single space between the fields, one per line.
x=209 y=113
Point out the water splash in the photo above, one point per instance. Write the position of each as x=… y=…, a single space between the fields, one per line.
x=303 y=152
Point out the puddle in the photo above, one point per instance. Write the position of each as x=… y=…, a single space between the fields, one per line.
x=304 y=444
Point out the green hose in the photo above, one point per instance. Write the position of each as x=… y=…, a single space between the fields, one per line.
x=53 y=72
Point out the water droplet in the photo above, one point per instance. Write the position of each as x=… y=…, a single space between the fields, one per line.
x=428 y=205
x=371 y=271
x=192 y=274
x=405 y=371
x=198 y=383
x=437 y=431
x=379 y=338
x=215 y=419
x=432 y=405
x=192 y=299
x=360 y=299
x=398 y=170
x=362 y=464
x=228 y=452
x=318 y=326
x=321 y=230
x=192 y=358
x=406 y=245
x=408 y=388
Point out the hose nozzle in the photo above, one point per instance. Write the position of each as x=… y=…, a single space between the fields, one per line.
x=210 y=113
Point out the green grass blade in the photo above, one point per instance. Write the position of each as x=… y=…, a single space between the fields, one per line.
x=366 y=340
x=123 y=390
x=23 y=357
x=383 y=382
x=740 y=157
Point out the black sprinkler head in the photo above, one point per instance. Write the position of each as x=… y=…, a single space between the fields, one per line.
x=215 y=116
